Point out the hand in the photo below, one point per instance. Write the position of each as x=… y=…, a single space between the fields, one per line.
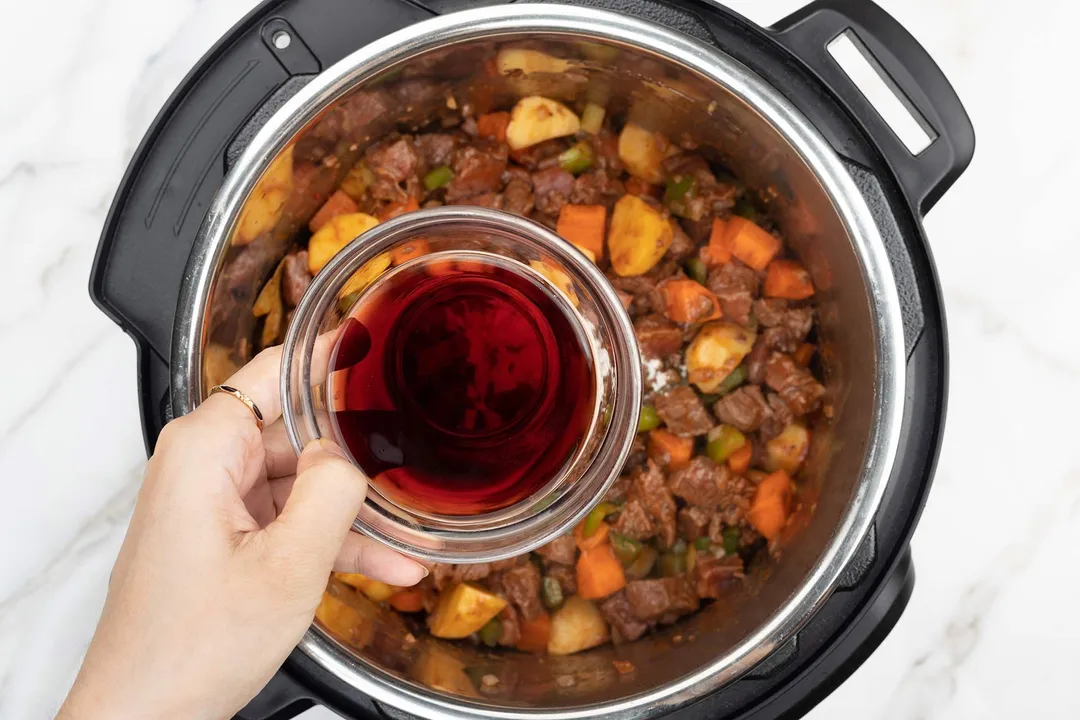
x=227 y=555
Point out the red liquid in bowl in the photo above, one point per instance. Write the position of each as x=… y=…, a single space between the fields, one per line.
x=461 y=388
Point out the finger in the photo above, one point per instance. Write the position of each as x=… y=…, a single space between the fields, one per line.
x=325 y=498
x=259 y=380
x=280 y=456
x=360 y=554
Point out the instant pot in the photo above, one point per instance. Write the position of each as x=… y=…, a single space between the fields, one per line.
x=322 y=78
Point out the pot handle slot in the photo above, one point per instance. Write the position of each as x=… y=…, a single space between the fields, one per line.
x=281 y=699
x=864 y=34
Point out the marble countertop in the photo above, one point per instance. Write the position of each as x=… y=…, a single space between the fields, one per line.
x=990 y=631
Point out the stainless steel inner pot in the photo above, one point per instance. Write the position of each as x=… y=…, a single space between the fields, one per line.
x=664 y=81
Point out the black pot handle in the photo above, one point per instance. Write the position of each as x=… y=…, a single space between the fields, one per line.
x=281 y=699
x=926 y=176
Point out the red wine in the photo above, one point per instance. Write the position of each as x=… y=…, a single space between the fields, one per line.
x=461 y=387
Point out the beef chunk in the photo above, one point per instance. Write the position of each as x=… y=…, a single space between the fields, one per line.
x=682 y=412
x=634 y=521
x=693 y=522
x=566 y=577
x=757 y=359
x=621 y=486
x=393 y=163
x=605 y=147
x=652 y=599
x=488 y=200
x=597 y=188
x=618 y=613
x=361 y=109
x=478 y=169
x=649 y=487
x=700 y=482
x=796 y=386
x=518 y=197
x=522 y=587
x=735 y=285
x=698 y=230
x=682 y=246
x=712 y=576
x=779 y=417
x=646 y=297
x=744 y=407
x=435 y=148
x=552 y=188
x=560 y=550
x=540 y=155
x=770 y=311
x=295 y=278
x=657 y=336
x=446 y=574
x=737 y=492
x=785 y=327
x=511 y=627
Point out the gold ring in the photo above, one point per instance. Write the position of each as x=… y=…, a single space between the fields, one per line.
x=229 y=390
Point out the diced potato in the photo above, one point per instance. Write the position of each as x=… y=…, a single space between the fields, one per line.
x=462 y=610
x=592 y=118
x=439 y=669
x=717 y=350
x=270 y=303
x=510 y=60
x=558 y=278
x=263 y=208
x=376 y=590
x=787 y=451
x=366 y=275
x=357 y=181
x=576 y=626
x=638 y=236
x=535 y=119
x=642 y=152
x=334 y=236
x=345 y=621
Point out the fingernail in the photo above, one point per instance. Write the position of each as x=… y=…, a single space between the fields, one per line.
x=329 y=446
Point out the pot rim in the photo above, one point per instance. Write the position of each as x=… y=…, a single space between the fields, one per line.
x=209 y=249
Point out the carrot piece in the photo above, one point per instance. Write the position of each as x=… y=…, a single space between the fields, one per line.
x=583 y=226
x=787 y=279
x=739 y=461
x=338 y=204
x=718 y=251
x=535 y=633
x=493 y=125
x=670 y=450
x=407 y=600
x=688 y=301
x=398 y=208
x=803 y=354
x=637 y=186
x=598 y=538
x=408 y=251
x=751 y=243
x=769 y=510
x=599 y=573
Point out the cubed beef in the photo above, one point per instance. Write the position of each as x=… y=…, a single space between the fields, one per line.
x=792 y=329
x=597 y=188
x=745 y=408
x=435 y=148
x=657 y=336
x=625 y=298
x=560 y=550
x=393 y=163
x=698 y=230
x=478 y=169
x=621 y=486
x=539 y=155
x=795 y=385
x=651 y=599
x=488 y=200
x=605 y=147
x=693 y=522
x=700 y=482
x=522 y=587
x=620 y=616
x=511 y=627
x=447 y=574
x=735 y=285
x=295 y=278
x=518 y=197
x=713 y=576
x=566 y=576
x=757 y=359
x=552 y=188
x=778 y=418
x=682 y=247
x=647 y=299
x=737 y=494
x=360 y=111
x=649 y=487
x=770 y=311
x=634 y=521
x=683 y=413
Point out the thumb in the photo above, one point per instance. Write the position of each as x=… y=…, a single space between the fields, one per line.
x=325 y=499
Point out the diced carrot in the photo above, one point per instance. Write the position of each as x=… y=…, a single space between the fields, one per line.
x=583 y=226
x=670 y=450
x=598 y=538
x=751 y=243
x=637 y=186
x=718 y=251
x=398 y=208
x=407 y=600
x=599 y=573
x=787 y=279
x=739 y=461
x=338 y=204
x=769 y=510
x=688 y=301
x=493 y=125
x=410 y=250
x=803 y=354
x=535 y=633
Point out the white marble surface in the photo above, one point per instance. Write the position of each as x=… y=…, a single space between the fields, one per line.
x=991 y=631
